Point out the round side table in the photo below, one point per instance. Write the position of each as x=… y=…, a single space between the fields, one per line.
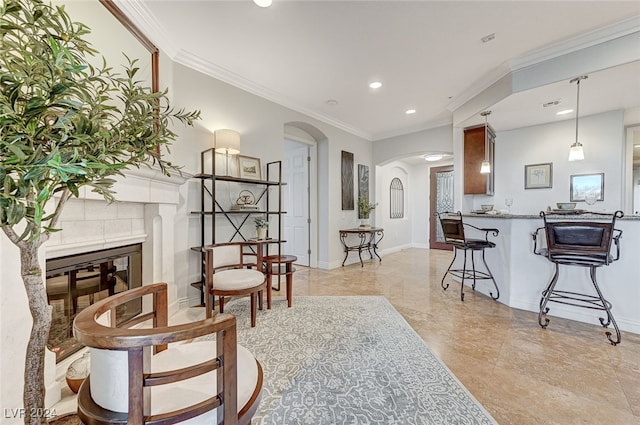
x=279 y=265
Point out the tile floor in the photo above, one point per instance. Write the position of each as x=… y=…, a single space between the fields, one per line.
x=523 y=375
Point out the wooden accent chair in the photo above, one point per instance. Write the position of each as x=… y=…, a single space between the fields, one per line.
x=227 y=273
x=138 y=378
x=454 y=235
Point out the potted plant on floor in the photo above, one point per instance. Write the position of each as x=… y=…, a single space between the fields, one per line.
x=60 y=130
x=365 y=208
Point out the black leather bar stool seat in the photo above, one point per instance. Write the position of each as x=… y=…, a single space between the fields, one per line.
x=453 y=229
x=583 y=244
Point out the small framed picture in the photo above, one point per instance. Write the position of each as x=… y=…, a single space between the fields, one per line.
x=249 y=167
x=538 y=176
x=587 y=185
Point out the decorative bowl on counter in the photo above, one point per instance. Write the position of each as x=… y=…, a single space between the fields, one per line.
x=486 y=208
x=566 y=205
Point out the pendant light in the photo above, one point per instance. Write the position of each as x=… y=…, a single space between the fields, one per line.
x=485 y=168
x=576 y=153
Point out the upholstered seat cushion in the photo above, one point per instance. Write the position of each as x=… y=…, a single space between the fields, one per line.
x=109 y=382
x=237 y=279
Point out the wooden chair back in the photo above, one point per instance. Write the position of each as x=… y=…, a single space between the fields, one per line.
x=135 y=346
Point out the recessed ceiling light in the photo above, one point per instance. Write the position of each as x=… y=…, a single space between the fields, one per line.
x=375 y=85
x=564 y=112
x=410 y=111
x=262 y=3
x=331 y=102
x=433 y=157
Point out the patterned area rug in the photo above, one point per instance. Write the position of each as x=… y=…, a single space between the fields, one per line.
x=349 y=360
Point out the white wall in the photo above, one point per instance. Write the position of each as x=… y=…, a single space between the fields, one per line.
x=603 y=139
x=419 y=206
x=433 y=140
x=397 y=232
x=261 y=125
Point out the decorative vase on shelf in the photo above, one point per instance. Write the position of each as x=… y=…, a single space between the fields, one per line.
x=262 y=233
x=77 y=372
x=364 y=223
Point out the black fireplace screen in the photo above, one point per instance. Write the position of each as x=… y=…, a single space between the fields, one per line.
x=77 y=281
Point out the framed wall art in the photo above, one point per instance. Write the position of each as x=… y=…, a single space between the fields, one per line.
x=585 y=186
x=538 y=176
x=347 y=180
x=249 y=167
x=363 y=185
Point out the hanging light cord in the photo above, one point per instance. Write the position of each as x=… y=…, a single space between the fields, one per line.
x=577 y=80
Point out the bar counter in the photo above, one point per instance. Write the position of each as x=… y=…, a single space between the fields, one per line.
x=522 y=276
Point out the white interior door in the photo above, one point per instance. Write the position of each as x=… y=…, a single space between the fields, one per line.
x=296 y=201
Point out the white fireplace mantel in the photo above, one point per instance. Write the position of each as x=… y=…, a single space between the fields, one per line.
x=144 y=212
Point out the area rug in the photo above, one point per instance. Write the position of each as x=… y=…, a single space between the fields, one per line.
x=349 y=360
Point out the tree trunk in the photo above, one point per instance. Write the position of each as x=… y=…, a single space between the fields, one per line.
x=34 y=389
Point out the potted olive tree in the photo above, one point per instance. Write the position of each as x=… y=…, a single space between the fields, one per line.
x=64 y=124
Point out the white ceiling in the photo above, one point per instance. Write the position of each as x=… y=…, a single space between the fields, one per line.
x=428 y=54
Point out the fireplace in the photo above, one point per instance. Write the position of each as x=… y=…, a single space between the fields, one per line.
x=76 y=281
x=145 y=213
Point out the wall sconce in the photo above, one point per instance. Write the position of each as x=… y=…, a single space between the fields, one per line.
x=576 y=153
x=485 y=168
x=228 y=143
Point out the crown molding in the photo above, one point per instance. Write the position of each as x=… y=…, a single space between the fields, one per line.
x=142 y=17
x=582 y=41
x=195 y=62
x=574 y=44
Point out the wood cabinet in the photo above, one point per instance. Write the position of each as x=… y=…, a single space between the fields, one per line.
x=476 y=149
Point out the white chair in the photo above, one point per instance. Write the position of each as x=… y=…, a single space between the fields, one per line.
x=137 y=378
x=227 y=274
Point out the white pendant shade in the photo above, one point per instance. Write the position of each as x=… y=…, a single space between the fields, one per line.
x=485 y=168
x=227 y=141
x=576 y=153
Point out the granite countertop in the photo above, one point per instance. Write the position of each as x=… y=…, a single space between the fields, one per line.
x=565 y=216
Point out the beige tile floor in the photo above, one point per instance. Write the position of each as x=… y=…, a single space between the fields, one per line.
x=523 y=375
x=567 y=374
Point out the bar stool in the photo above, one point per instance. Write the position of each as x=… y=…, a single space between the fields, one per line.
x=454 y=234
x=582 y=244
x=279 y=265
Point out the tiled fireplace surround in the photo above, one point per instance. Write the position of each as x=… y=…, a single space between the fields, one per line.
x=144 y=213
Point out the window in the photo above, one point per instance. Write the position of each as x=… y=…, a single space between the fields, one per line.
x=396 y=198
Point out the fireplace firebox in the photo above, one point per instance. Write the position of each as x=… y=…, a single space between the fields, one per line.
x=76 y=281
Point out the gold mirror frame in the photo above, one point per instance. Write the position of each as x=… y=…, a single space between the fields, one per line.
x=139 y=35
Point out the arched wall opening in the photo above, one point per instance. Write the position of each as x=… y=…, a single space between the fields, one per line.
x=306 y=194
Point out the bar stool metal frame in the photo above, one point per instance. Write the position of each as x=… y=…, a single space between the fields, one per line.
x=582 y=244
x=454 y=234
